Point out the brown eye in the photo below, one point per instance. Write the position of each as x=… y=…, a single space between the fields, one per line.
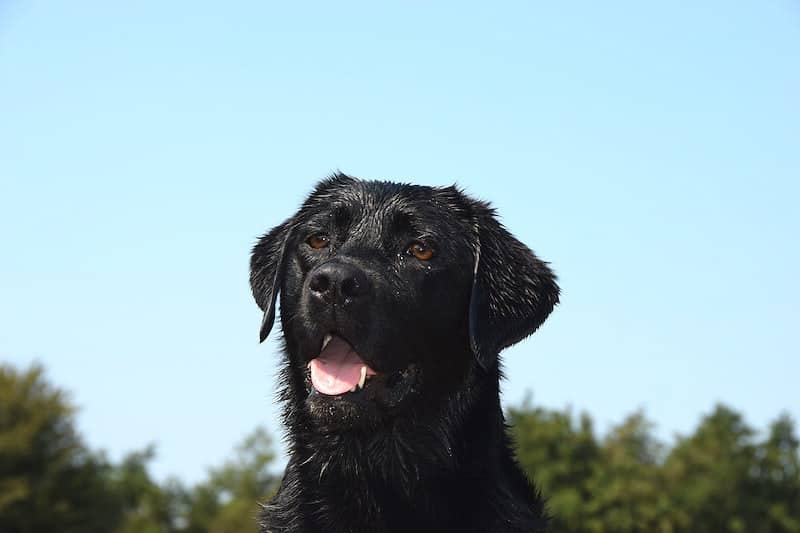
x=318 y=241
x=420 y=251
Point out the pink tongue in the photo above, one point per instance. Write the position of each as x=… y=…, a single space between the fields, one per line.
x=337 y=369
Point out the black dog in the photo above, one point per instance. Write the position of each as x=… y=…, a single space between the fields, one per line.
x=395 y=302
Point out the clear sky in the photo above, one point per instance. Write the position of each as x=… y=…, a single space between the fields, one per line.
x=650 y=151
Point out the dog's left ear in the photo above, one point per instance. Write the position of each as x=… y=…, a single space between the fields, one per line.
x=266 y=270
x=513 y=291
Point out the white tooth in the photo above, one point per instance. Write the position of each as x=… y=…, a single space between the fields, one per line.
x=353 y=389
x=363 y=377
x=326 y=340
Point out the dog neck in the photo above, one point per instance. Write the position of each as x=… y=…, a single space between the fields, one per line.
x=382 y=479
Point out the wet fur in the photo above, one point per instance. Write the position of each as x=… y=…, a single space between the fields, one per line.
x=441 y=460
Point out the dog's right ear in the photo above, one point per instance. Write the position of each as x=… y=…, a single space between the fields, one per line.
x=267 y=264
x=513 y=291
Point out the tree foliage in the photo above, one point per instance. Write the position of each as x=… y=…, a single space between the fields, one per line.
x=724 y=477
x=49 y=480
x=228 y=500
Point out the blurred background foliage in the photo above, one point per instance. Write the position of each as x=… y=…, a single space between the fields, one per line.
x=724 y=477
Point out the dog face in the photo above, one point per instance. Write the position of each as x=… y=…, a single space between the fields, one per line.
x=394 y=298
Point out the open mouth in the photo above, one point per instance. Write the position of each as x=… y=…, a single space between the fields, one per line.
x=340 y=371
x=338 y=368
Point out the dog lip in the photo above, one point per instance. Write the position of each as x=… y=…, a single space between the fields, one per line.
x=375 y=368
x=397 y=385
x=394 y=379
x=327 y=337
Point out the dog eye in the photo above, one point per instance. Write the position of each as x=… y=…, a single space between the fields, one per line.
x=318 y=240
x=420 y=251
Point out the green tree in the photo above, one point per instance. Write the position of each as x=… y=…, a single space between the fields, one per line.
x=719 y=479
x=560 y=454
x=778 y=477
x=626 y=490
x=228 y=501
x=49 y=480
x=147 y=507
x=709 y=476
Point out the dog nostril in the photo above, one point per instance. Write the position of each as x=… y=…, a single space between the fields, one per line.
x=350 y=287
x=320 y=283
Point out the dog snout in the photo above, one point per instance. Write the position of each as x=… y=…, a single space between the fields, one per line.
x=338 y=283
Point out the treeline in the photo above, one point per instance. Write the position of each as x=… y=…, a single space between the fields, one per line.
x=724 y=477
x=721 y=478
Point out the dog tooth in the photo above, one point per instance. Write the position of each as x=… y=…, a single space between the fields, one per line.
x=363 y=377
x=326 y=340
x=353 y=389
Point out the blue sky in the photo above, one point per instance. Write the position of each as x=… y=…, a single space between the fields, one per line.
x=649 y=151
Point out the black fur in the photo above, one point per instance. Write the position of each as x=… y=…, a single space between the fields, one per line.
x=424 y=446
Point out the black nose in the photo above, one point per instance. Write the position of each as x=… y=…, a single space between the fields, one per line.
x=338 y=282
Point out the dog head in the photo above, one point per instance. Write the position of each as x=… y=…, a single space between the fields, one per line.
x=393 y=297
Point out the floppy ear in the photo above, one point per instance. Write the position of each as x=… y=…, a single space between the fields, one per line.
x=267 y=264
x=513 y=291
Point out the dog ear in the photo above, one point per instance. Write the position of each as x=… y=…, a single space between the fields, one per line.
x=513 y=291
x=267 y=264
x=268 y=260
